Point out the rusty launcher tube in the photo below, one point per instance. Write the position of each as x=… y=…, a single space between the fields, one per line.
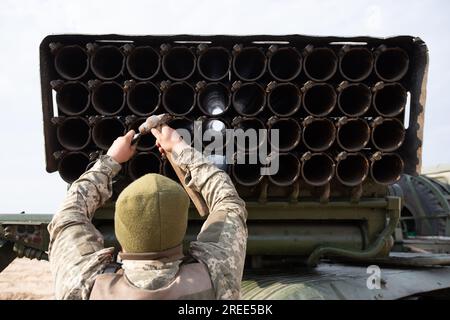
x=318 y=133
x=106 y=130
x=143 y=62
x=184 y=127
x=108 y=98
x=386 y=168
x=353 y=134
x=249 y=99
x=289 y=130
x=389 y=99
x=73 y=133
x=387 y=134
x=72 y=97
x=71 y=62
x=143 y=98
x=320 y=64
x=72 y=164
x=213 y=63
x=143 y=163
x=146 y=142
x=354 y=99
x=247 y=171
x=178 y=98
x=217 y=126
x=319 y=99
x=288 y=171
x=284 y=99
x=285 y=63
x=355 y=64
x=249 y=63
x=245 y=124
x=317 y=168
x=107 y=62
x=351 y=168
x=178 y=63
x=391 y=64
x=213 y=98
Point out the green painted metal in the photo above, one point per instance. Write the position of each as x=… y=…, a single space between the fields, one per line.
x=275 y=228
x=342 y=282
x=373 y=249
x=7 y=254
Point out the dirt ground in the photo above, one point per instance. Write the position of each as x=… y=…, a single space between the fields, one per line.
x=26 y=279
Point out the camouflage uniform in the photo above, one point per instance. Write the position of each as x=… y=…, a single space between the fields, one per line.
x=77 y=254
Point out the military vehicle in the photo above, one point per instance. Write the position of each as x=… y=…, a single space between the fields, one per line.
x=334 y=222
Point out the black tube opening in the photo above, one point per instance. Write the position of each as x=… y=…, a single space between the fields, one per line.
x=249 y=64
x=73 y=98
x=318 y=170
x=142 y=164
x=214 y=63
x=285 y=64
x=184 y=127
x=285 y=99
x=179 y=63
x=392 y=64
x=319 y=100
x=248 y=143
x=355 y=100
x=143 y=63
x=71 y=62
x=319 y=135
x=143 y=98
x=390 y=100
x=388 y=135
x=146 y=141
x=321 y=64
x=107 y=62
x=217 y=130
x=356 y=64
x=72 y=166
x=289 y=134
x=249 y=99
x=74 y=133
x=107 y=130
x=353 y=135
x=352 y=170
x=214 y=99
x=179 y=99
x=388 y=169
x=247 y=174
x=108 y=98
x=169 y=172
x=288 y=171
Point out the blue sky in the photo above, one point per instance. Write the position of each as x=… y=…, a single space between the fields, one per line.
x=24 y=183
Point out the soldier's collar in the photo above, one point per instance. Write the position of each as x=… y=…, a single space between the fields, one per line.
x=169 y=255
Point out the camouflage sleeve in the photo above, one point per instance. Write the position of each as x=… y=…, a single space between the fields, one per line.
x=222 y=241
x=76 y=250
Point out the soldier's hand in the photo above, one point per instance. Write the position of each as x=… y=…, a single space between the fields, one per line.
x=168 y=140
x=121 y=150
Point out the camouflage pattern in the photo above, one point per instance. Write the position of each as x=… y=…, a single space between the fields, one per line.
x=150 y=275
x=77 y=254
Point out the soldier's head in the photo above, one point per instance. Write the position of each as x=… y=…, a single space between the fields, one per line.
x=151 y=215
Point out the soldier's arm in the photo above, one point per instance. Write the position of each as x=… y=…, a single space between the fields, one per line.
x=221 y=243
x=76 y=250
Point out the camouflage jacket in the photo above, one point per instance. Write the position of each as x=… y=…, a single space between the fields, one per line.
x=77 y=254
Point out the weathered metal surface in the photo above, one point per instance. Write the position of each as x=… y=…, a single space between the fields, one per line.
x=343 y=282
x=321 y=66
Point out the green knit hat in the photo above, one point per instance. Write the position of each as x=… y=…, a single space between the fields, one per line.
x=151 y=214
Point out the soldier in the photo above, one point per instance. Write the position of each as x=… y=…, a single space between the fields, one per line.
x=150 y=224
